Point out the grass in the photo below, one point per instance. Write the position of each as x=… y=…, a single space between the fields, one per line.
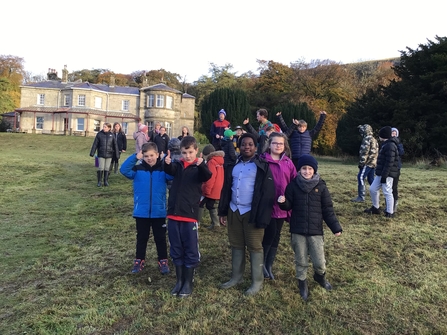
x=67 y=246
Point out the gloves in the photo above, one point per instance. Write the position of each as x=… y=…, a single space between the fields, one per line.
x=361 y=166
x=383 y=180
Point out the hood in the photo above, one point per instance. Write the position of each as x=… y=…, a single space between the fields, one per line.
x=174 y=144
x=218 y=153
x=365 y=130
x=397 y=131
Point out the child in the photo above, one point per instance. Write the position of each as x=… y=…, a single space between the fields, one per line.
x=212 y=188
x=183 y=209
x=283 y=170
x=309 y=199
x=149 y=186
x=228 y=148
x=247 y=199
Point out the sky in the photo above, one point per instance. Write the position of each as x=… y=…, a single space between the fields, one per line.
x=186 y=37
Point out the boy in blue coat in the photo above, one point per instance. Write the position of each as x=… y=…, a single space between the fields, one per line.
x=149 y=187
x=183 y=210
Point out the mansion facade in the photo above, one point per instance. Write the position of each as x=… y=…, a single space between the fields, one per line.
x=80 y=108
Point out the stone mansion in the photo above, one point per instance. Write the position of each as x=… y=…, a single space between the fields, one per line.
x=80 y=108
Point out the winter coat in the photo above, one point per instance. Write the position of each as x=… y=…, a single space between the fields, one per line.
x=369 y=149
x=140 y=138
x=149 y=187
x=283 y=172
x=218 y=128
x=300 y=143
x=388 y=159
x=213 y=186
x=186 y=189
x=311 y=204
x=230 y=156
x=162 y=143
x=105 y=144
x=263 y=195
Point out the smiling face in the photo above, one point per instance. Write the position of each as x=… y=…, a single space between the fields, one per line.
x=150 y=157
x=277 y=145
x=248 y=148
x=189 y=154
x=307 y=171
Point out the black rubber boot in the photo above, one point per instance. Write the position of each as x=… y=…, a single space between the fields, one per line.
x=106 y=178
x=179 y=283
x=269 y=262
x=321 y=279
x=257 y=277
x=238 y=268
x=188 y=277
x=304 y=290
x=115 y=169
x=264 y=269
x=99 y=175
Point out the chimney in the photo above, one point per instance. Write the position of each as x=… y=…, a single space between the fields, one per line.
x=112 y=80
x=65 y=75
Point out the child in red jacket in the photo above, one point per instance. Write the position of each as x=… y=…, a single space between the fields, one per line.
x=211 y=189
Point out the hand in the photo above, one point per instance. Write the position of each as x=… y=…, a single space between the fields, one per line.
x=223 y=220
x=200 y=159
x=247 y=120
x=361 y=166
x=91 y=155
x=338 y=234
x=281 y=199
x=295 y=122
x=168 y=158
x=139 y=155
x=383 y=180
x=278 y=114
x=323 y=112
x=123 y=150
x=217 y=136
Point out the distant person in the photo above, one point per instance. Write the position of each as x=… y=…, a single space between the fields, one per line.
x=246 y=202
x=121 y=140
x=310 y=201
x=283 y=171
x=149 y=188
x=401 y=152
x=154 y=132
x=239 y=131
x=183 y=208
x=185 y=132
x=106 y=148
x=227 y=147
x=261 y=137
x=140 y=137
x=218 y=128
x=300 y=138
x=369 y=150
x=162 y=140
x=212 y=187
x=386 y=171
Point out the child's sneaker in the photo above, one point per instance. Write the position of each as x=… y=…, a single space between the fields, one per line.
x=138 y=265
x=163 y=266
x=372 y=210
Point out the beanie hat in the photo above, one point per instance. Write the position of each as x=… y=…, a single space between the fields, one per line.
x=174 y=144
x=308 y=160
x=142 y=127
x=228 y=133
x=209 y=148
x=397 y=131
x=385 y=132
x=222 y=111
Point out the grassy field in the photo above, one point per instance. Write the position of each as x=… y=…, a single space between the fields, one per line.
x=66 y=249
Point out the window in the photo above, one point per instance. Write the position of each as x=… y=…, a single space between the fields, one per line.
x=150 y=100
x=124 y=125
x=125 y=105
x=168 y=128
x=80 y=125
x=160 y=100
x=67 y=99
x=98 y=102
x=169 y=102
x=96 y=125
x=41 y=99
x=81 y=100
x=150 y=125
x=39 y=122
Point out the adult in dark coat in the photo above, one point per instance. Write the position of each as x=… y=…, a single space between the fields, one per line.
x=121 y=141
x=106 y=148
x=162 y=141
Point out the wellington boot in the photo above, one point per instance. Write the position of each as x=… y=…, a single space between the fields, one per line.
x=214 y=219
x=238 y=268
x=257 y=277
x=188 y=277
x=304 y=290
x=269 y=262
x=179 y=283
x=99 y=176
x=106 y=178
x=264 y=269
x=321 y=279
x=115 y=168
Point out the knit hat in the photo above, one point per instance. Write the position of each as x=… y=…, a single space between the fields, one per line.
x=222 y=111
x=385 y=132
x=308 y=160
x=209 y=148
x=228 y=133
x=174 y=144
x=397 y=131
x=142 y=128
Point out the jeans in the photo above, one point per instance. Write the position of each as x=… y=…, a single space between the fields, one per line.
x=303 y=246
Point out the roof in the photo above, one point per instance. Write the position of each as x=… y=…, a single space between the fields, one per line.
x=188 y=96
x=57 y=84
x=77 y=110
x=160 y=87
